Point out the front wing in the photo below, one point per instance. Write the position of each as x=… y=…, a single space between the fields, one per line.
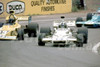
x=8 y=37
x=68 y=23
x=58 y=39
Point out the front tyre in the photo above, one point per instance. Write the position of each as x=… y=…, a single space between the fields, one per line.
x=79 y=44
x=79 y=19
x=40 y=42
x=80 y=41
x=20 y=35
x=46 y=30
x=84 y=31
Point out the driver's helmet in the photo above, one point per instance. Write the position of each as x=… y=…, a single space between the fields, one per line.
x=62 y=25
x=12 y=18
x=11 y=21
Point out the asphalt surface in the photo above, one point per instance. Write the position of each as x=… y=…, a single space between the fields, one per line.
x=27 y=53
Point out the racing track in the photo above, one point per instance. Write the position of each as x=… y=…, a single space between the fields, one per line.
x=27 y=53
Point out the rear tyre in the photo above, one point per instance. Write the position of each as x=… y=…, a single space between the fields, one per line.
x=89 y=16
x=32 y=29
x=36 y=33
x=43 y=32
x=40 y=42
x=79 y=19
x=20 y=35
x=30 y=34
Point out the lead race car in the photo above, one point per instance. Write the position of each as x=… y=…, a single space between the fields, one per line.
x=92 y=20
x=12 y=30
x=62 y=34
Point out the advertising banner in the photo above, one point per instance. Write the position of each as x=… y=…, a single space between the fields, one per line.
x=16 y=6
x=35 y=7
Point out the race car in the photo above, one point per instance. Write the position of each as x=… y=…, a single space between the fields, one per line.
x=63 y=35
x=12 y=30
x=92 y=20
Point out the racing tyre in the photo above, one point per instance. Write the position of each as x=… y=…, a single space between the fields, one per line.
x=32 y=29
x=84 y=31
x=1 y=24
x=79 y=44
x=40 y=42
x=20 y=35
x=80 y=40
x=45 y=30
x=89 y=16
x=79 y=19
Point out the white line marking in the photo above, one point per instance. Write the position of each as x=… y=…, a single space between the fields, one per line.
x=95 y=48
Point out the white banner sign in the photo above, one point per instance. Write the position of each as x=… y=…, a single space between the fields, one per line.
x=16 y=6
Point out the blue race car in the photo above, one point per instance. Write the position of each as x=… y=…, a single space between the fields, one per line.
x=92 y=20
x=98 y=10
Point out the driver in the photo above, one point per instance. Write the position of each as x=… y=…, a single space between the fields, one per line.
x=63 y=25
x=12 y=17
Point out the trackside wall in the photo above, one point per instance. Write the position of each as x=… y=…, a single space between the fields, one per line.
x=35 y=7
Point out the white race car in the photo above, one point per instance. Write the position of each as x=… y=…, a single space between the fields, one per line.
x=62 y=34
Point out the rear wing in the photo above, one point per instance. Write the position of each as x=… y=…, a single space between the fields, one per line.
x=25 y=18
x=68 y=23
x=19 y=18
